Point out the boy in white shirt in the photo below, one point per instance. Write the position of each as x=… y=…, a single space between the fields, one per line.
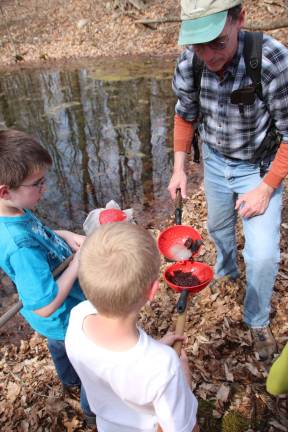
x=133 y=382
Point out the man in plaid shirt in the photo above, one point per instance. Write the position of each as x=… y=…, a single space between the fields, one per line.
x=231 y=134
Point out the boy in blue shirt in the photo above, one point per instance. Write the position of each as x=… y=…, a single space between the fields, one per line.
x=30 y=251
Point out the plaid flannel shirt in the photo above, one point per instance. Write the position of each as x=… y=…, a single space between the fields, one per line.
x=223 y=127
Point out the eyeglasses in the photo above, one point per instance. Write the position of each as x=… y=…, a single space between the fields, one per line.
x=38 y=184
x=218 y=44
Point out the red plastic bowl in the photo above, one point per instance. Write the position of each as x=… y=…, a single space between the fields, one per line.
x=173 y=236
x=201 y=270
x=111 y=215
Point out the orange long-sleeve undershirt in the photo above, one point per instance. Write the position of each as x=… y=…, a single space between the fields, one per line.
x=183 y=134
x=279 y=167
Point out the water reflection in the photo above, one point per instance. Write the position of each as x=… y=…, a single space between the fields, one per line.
x=108 y=130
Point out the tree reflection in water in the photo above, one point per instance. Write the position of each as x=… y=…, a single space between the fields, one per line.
x=109 y=138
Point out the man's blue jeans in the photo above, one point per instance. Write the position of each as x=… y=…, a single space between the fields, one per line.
x=224 y=181
x=66 y=372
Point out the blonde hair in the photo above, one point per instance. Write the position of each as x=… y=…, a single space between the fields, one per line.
x=118 y=264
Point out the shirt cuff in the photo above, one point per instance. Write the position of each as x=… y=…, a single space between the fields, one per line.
x=273 y=180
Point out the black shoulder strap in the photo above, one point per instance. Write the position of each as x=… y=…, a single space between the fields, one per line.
x=197 y=67
x=252 y=53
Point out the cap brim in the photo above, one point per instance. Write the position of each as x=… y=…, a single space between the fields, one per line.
x=202 y=30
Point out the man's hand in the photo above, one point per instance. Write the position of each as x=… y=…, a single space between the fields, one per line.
x=74 y=240
x=255 y=202
x=178 y=180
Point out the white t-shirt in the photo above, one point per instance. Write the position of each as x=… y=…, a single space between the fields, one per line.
x=133 y=390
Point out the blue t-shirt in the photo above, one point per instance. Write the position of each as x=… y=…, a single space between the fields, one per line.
x=29 y=253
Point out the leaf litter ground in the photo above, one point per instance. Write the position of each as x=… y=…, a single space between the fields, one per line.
x=227 y=376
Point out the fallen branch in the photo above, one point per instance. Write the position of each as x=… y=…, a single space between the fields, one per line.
x=158 y=20
x=265 y=25
x=278 y=24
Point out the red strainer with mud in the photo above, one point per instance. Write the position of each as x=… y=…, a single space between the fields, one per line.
x=181 y=243
x=188 y=275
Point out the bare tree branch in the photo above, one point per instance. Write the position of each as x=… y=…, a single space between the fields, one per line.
x=158 y=20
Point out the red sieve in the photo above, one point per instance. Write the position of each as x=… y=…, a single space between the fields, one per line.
x=111 y=215
x=176 y=236
x=202 y=271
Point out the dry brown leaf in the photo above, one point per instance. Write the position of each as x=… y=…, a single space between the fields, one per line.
x=71 y=425
x=223 y=393
x=13 y=391
x=229 y=376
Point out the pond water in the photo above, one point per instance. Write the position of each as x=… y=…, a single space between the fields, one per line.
x=108 y=128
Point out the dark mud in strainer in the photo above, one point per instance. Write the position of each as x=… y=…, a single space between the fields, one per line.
x=197 y=274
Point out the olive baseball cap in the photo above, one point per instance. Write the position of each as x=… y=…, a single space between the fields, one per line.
x=203 y=20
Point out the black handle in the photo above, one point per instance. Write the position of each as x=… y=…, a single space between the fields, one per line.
x=182 y=302
x=195 y=144
x=178 y=207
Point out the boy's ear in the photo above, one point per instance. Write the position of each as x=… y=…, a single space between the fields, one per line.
x=4 y=192
x=153 y=289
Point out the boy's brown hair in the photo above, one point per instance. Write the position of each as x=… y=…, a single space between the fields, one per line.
x=20 y=156
x=118 y=264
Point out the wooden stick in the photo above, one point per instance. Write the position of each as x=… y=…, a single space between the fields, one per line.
x=10 y=313
x=179 y=331
x=17 y=306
